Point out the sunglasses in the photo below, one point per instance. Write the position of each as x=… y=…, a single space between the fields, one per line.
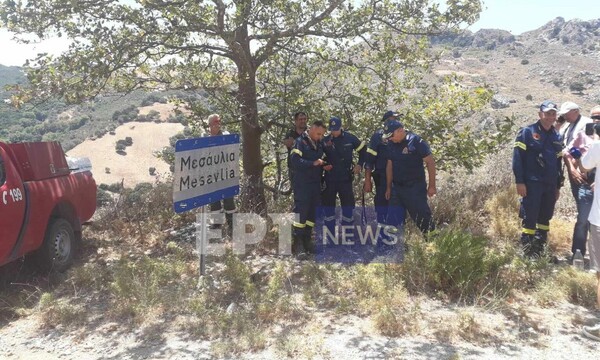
x=595 y=117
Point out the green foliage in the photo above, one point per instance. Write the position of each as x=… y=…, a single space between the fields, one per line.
x=461 y=265
x=142 y=285
x=103 y=197
x=114 y=188
x=438 y=114
x=118 y=47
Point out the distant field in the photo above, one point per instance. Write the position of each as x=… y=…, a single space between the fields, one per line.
x=133 y=167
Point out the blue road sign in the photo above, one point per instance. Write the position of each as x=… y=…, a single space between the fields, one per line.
x=206 y=170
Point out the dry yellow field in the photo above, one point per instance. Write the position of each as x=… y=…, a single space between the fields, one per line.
x=133 y=167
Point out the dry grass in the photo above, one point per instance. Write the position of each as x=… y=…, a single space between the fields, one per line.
x=560 y=235
x=133 y=167
x=502 y=209
x=55 y=312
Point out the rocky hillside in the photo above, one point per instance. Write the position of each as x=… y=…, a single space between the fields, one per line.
x=558 y=61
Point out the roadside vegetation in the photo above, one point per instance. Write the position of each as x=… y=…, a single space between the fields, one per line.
x=139 y=268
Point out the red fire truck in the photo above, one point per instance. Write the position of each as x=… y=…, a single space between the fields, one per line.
x=43 y=204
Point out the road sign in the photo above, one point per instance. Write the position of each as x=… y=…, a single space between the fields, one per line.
x=206 y=170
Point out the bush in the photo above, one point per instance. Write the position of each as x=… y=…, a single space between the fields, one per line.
x=103 y=197
x=576 y=87
x=152 y=170
x=524 y=62
x=114 y=188
x=120 y=147
x=529 y=97
x=128 y=141
x=107 y=170
x=461 y=265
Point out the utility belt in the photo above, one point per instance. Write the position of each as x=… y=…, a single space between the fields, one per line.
x=407 y=183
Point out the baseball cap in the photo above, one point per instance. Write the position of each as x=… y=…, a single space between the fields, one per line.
x=335 y=123
x=392 y=126
x=388 y=114
x=567 y=106
x=548 y=105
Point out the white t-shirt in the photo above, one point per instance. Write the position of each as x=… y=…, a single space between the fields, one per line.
x=591 y=160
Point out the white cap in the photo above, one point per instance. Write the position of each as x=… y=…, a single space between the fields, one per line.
x=566 y=107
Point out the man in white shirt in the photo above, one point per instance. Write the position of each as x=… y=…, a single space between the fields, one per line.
x=591 y=160
x=580 y=184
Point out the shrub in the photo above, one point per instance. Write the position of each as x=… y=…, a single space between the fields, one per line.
x=459 y=264
x=114 y=188
x=120 y=147
x=128 y=141
x=107 y=170
x=576 y=87
x=152 y=170
x=503 y=209
x=524 y=62
x=579 y=286
x=103 y=197
x=529 y=97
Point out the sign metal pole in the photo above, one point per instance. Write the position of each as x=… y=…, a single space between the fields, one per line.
x=201 y=246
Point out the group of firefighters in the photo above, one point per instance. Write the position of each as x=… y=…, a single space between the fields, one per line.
x=394 y=162
x=322 y=168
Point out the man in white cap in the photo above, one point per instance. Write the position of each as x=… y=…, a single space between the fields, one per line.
x=580 y=187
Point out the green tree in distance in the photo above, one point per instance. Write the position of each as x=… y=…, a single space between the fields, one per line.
x=123 y=45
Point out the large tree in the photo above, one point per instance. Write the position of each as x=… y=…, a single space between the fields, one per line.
x=124 y=45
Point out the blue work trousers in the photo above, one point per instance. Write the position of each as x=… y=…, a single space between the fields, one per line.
x=584 y=197
x=413 y=198
x=538 y=206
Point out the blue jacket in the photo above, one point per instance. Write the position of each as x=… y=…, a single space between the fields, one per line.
x=338 y=152
x=537 y=155
x=407 y=159
x=376 y=153
x=303 y=155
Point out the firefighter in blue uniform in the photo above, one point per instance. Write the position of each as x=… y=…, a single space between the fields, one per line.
x=339 y=147
x=407 y=157
x=307 y=163
x=375 y=165
x=300 y=119
x=536 y=165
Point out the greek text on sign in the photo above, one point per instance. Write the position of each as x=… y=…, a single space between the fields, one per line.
x=206 y=170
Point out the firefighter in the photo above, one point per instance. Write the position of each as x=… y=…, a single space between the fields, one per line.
x=300 y=119
x=407 y=186
x=339 y=147
x=536 y=165
x=307 y=163
x=375 y=165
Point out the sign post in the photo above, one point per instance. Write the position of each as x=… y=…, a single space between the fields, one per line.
x=206 y=170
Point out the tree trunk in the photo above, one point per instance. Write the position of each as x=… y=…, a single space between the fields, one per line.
x=252 y=192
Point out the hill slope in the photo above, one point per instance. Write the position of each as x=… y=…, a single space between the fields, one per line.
x=133 y=167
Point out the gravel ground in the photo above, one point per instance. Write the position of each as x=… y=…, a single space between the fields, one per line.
x=540 y=334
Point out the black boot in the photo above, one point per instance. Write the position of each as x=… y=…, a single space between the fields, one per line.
x=297 y=245
x=309 y=245
x=528 y=245
x=539 y=241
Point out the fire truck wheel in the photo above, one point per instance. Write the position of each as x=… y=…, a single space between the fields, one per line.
x=58 y=250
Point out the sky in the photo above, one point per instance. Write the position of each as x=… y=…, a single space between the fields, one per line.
x=516 y=16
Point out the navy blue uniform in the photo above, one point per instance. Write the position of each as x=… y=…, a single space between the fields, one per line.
x=409 y=186
x=376 y=160
x=338 y=181
x=307 y=186
x=294 y=135
x=537 y=164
